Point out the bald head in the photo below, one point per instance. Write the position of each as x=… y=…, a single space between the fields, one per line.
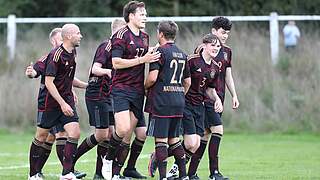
x=69 y=29
x=71 y=35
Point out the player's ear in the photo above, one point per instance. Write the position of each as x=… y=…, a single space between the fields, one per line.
x=213 y=31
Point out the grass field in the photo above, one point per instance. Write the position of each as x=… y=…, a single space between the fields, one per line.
x=242 y=157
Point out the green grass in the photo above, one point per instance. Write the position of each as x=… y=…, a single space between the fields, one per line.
x=243 y=156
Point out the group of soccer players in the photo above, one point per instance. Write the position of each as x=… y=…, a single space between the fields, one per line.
x=184 y=96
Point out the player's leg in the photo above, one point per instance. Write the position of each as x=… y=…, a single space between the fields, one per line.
x=46 y=150
x=71 y=126
x=135 y=151
x=103 y=148
x=196 y=158
x=61 y=139
x=45 y=120
x=176 y=148
x=217 y=132
x=99 y=119
x=124 y=148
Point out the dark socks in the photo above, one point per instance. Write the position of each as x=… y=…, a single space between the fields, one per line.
x=213 y=152
x=196 y=158
x=161 y=158
x=180 y=158
x=34 y=156
x=114 y=143
x=101 y=153
x=60 y=143
x=69 y=154
x=136 y=148
x=46 y=150
x=122 y=154
x=85 y=146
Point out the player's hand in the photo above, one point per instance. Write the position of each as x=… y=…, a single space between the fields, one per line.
x=235 y=102
x=218 y=107
x=30 y=72
x=67 y=110
x=150 y=57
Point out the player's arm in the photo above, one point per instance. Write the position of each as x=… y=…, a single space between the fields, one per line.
x=149 y=57
x=66 y=109
x=231 y=88
x=79 y=84
x=151 y=79
x=118 y=48
x=30 y=71
x=99 y=71
x=186 y=84
x=212 y=93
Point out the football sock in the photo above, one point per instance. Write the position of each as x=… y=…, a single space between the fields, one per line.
x=161 y=158
x=60 y=143
x=101 y=152
x=122 y=154
x=213 y=152
x=196 y=158
x=85 y=146
x=34 y=156
x=46 y=150
x=136 y=148
x=180 y=158
x=70 y=151
x=114 y=143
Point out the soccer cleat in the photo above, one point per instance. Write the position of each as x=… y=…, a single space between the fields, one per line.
x=40 y=174
x=119 y=177
x=194 y=177
x=152 y=166
x=97 y=177
x=106 y=169
x=217 y=176
x=133 y=173
x=36 y=177
x=173 y=172
x=184 y=178
x=79 y=174
x=69 y=176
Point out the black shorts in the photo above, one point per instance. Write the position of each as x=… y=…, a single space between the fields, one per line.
x=111 y=119
x=193 y=119
x=212 y=118
x=48 y=119
x=131 y=101
x=98 y=113
x=57 y=128
x=164 y=127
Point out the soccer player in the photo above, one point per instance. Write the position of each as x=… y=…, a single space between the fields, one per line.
x=167 y=82
x=129 y=54
x=57 y=132
x=221 y=27
x=57 y=105
x=204 y=72
x=98 y=100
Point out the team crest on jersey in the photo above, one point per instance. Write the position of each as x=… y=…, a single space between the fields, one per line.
x=212 y=73
x=225 y=55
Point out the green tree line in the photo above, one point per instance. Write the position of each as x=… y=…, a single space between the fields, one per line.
x=101 y=8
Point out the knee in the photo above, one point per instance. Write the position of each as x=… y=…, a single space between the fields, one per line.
x=122 y=130
x=141 y=133
x=51 y=138
x=217 y=129
x=42 y=137
x=191 y=145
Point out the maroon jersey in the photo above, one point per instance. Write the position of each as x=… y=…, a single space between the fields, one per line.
x=98 y=86
x=224 y=61
x=127 y=45
x=39 y=66
x=203 y=75
x=166 y=97
x=61 y=65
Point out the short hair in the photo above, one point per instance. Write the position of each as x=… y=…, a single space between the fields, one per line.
x=116 y=24
x=131 y=7
x=168 y=28
x=210 y=38
x=221 y=22
x=54 y=32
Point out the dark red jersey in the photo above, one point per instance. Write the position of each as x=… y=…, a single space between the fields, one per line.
x=62 y=66
x=203 y=75
x=99 y=86
x=127 y=45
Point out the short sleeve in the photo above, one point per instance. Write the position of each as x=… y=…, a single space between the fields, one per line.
x=101 y=54
x=158 y=64
x=118 y=47
x=52 y=66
